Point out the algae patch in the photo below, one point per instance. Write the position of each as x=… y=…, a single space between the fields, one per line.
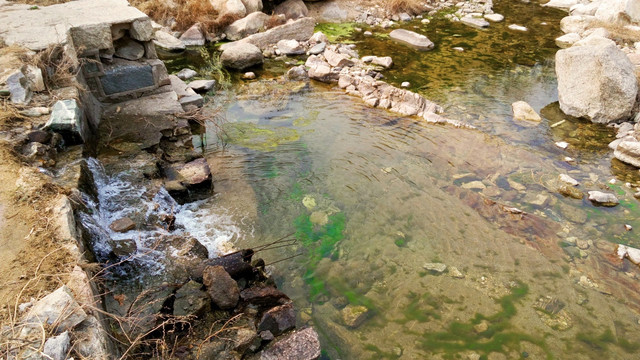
x=335 y=32
x=261 y=138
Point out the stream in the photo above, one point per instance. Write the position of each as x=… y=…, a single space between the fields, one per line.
x=377 y=202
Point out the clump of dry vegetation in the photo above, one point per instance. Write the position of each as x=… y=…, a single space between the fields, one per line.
x=620 y=32
x=185 y=13
x=274 y=21
x=58 y=68
x=411 y=7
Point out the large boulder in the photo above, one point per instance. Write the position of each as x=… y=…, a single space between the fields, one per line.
x=221 y=287
x=244 y=27
x=241 y=55
x=301 y=30
x=612 y=11
x=413 y=39
x=292 y=9
x=596 y=81
x=577 y=23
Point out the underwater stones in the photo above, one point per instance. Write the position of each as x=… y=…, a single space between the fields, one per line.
x=474 y=185
x=241 y=55
x=319 y=218
x=277 y=320
x=517 y=27
x=122 y=225
x=596 y=80
x=436 y=268
x=455 y=273
x=300 y=345
x=570 y=191
x=124 y=247
x=524 y=112
x=309 y=202
x=603 y=199
x=190 y=300
x=222 y=289
x=418 y=41
x=354 y=315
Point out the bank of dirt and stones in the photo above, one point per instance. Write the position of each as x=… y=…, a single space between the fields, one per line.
x=95 y=89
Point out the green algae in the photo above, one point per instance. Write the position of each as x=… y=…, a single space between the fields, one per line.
x=341 y=32
x=261 y=138
x=496 y=338
x=601 y=343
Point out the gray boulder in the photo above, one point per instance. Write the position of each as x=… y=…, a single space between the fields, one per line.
x=596 y=81
x=297 y=73
x=246 y=26
x=186 y=74
x=241 y=55
x=222 y=289
x=142 y=30
x=190 y=300
x=58 y=308
x=418 y=41
x=292 y=9
x=301 y=345
x=56 y=347
x=301 y=30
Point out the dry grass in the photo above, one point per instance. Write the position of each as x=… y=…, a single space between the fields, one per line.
x=58 y=68
x=185 y=12
x=619 y=32
x=411 y=7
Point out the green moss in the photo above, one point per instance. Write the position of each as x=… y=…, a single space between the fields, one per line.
x=256 y=137
x=602 y=342
x=337 y=32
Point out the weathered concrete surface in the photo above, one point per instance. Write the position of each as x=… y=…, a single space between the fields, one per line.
x=37 y=29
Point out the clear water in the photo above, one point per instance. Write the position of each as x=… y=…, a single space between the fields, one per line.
x=372 y=197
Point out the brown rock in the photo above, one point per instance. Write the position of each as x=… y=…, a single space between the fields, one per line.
x=267 y=296
x=222 y=289
x=278 y=320
x=122 y=225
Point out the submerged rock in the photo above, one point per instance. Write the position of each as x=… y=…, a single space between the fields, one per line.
x=413 y=39
x=278 y=319
x=524 y=112
x=354 y=315
x=122 y=225
x=474 y=22
x=438 y=268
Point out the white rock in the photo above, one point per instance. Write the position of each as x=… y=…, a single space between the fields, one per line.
x=36 y=81
x=474 y=22
x=241 y=55
x=596 y=80
x=523 y=111
x=576 y=24
x=186 y=74
x=246 y=26
x=413 y=39
x=58 y=308
x=616 y=11
x=250 y=75
x=405 y=84
x=233 y=7
x=567 y=40
x=494 y=17
x=627 y=151
x=319 y=37
x=56 y=347
x=517 y=27
x=435 y=267
x=569 y=180
x=562 y=144
x=630 y=253
x=202 y=86
x=194 y=36
x=168 y=42
x=602 y=198
x=561 y=4
x=290 y=47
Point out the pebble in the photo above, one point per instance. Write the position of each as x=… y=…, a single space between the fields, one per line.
x=455 y=273
x=249 y=75
x=425 y=21
x=405 y=84
x=562 y=144
x=628 y=227
x=518 y=27
x=569 y=180
x=368 y=33
x=435 y=267
x=582 y=244
x=457 y=48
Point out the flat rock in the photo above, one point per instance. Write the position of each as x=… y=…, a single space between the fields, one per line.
x=59 y=308
x=603 y=199
x=418 y=41
x=567 y=40
x=628 y=151
x=474 y=22
x=222 y=289
x=168 y=42
x=122 y=225
x=202 y=86
x=241 y=55
x=435 y=267
x=494 y=17
x=524 y=112
x=300 y=345
x=517 y=27
x=337 y=59
x=301 y=30
x=317 y=48
x=186 y=74
x=190 y=300
x=193 y=100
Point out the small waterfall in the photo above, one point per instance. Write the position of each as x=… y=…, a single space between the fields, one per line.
x=123 y=195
